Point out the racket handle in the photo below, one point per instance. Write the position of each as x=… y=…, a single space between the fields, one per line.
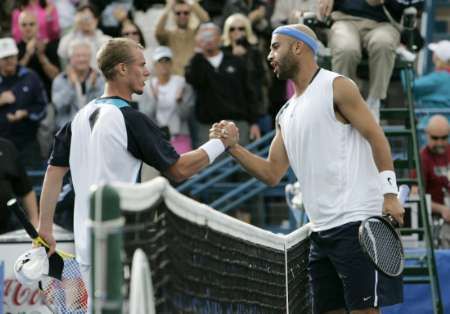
x=403 y=193
x=17 y=210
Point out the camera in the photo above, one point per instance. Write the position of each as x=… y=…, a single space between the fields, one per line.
x=310 y=19
x=409 y=18
x=410 y=36
x=242 y=41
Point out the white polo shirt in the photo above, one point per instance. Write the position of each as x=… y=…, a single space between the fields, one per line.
x=106 y=142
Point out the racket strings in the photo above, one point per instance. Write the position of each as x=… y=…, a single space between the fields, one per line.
x=383 y=246
x=68 y=295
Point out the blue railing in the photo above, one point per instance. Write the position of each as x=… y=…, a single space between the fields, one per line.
x=222 y=169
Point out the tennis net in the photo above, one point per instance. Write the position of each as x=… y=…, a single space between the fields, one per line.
x=203 y=261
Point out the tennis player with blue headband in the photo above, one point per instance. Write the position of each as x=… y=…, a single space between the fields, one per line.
x=295 y=33
x=342 y=160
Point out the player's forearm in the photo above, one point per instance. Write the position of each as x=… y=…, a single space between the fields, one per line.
x=256 y=166
x=188 y=164
x=49 y=197
x=381 y=152
x=30 y=203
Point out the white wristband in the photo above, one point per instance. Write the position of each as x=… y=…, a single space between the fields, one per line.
x=213 y=148
x=388 y=182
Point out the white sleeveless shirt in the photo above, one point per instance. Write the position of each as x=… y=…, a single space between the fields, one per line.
x=333 y=162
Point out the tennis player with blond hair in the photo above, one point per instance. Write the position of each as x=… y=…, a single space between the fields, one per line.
x=108 y=140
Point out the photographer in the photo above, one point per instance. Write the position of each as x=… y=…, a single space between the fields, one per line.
x=238 y=39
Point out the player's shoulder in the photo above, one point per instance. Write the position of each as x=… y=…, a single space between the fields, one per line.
x=281 y=111
x=137 y=119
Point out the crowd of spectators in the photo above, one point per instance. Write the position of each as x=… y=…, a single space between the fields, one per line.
x=207 y=60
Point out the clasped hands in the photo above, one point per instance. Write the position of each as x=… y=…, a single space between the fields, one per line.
x=226 y=131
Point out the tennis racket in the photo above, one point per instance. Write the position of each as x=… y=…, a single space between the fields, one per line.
x=382 y=243
x=63 y=289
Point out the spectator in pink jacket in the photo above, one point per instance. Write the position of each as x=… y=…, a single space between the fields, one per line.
x=47 y=17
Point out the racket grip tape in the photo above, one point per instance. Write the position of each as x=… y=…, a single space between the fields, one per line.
x=18 y=211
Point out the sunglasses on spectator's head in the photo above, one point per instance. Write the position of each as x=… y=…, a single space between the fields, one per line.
x=232 y=28
x=27 y=24
x=435 y=137
x=178 y=13
x=135 y=33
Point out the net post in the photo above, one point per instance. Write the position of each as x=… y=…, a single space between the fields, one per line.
x=106 y=243
x=286 y=277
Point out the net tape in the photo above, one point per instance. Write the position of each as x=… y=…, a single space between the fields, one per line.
x=203 y=261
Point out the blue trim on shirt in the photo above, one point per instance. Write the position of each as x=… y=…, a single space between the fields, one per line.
x=118 y=102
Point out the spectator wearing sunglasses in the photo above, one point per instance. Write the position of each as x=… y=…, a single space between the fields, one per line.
x=238 y=39
x=180 y=40
x=255 y=10
x=222 y=85
x=130 y=30
x=47 y=18
x=435 y=157
x=37 y=54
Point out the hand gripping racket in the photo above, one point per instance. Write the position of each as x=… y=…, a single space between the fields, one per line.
x=63 y=289
x=382 y=243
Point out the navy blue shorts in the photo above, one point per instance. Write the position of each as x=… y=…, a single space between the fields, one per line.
x=342 y=277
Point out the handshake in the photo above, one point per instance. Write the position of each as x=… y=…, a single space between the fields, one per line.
x=226 y=131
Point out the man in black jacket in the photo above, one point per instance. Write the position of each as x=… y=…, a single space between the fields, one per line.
x=222 y=86
x=23 y=104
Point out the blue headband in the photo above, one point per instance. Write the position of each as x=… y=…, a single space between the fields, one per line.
x=295 y=33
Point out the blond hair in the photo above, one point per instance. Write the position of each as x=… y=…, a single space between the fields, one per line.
x=251 y=38
x=114 y=52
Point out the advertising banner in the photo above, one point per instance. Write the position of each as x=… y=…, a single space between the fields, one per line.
x=19 y=299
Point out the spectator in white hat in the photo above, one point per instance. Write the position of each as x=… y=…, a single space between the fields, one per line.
x=169 y=100
x=23 y=103
x=432 y=90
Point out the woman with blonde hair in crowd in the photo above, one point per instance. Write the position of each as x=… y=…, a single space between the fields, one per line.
x=238 y=39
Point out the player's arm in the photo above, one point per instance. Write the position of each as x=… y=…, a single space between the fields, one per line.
x=49 y=197
x=350 y=107
x=192 y=162
x=187 y=165
x=30 y=204
x=270 y=170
